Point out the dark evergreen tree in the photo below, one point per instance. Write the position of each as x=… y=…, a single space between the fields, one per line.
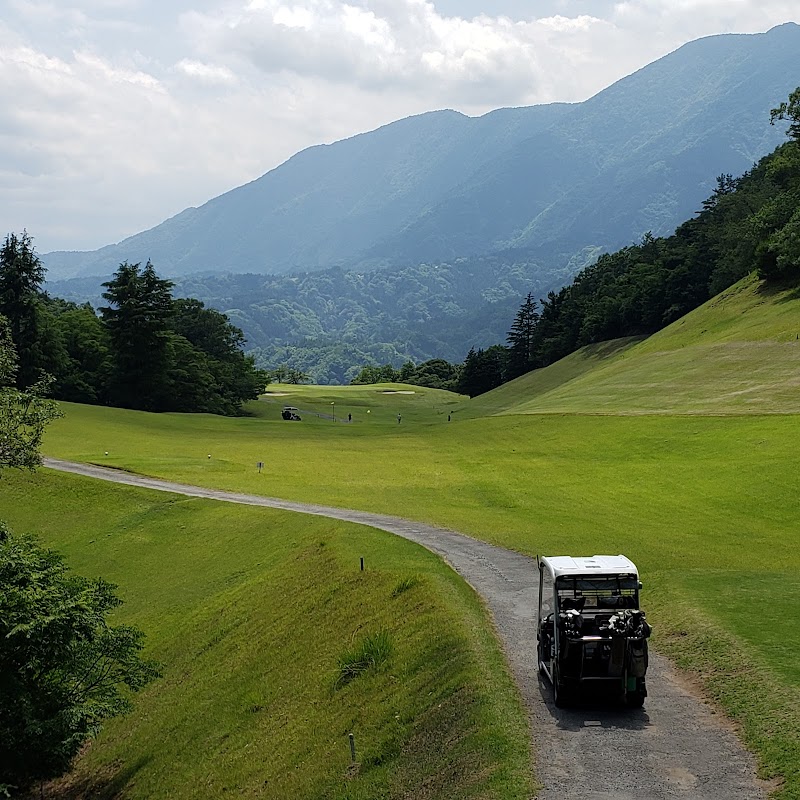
x=483 y=370
x=520 y=339
x=21 y=276
x=137 y=320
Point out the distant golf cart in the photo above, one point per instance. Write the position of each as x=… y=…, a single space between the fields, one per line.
x=291 y=413
x=592 y=637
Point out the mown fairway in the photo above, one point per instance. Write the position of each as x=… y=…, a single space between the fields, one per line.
x=704 y=500
x=739 y=353
x=249 y=612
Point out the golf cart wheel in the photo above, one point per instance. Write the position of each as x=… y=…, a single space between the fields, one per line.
x=560 y=694
x=634 y=699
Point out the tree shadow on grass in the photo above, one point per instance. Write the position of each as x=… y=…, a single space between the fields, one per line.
x=104 y=784
x=603 y=350
x=789 y=291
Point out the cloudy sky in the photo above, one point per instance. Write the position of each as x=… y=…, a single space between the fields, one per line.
x=116 y=114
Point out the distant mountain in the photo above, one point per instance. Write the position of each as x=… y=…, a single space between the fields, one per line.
x=560 y=181
x=330 y=323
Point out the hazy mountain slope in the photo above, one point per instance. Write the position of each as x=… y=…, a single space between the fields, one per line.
x=638 y=156
x=326 y=202
x=331 y=322
x=556 y=179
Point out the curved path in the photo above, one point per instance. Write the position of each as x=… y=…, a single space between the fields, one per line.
x=675 y=747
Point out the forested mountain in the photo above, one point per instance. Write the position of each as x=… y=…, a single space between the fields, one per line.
x=330 y=323
x=749 y=223
x=562 y=182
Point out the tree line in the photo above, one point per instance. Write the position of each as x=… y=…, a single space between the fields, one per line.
x=144 y=350
x=750 y=222
x=435 y=373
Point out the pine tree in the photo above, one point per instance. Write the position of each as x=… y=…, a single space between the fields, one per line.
x=21 y=276
x=521 y=339
x=137 y=320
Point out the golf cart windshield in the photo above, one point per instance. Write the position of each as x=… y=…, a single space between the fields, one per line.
x=601 y=591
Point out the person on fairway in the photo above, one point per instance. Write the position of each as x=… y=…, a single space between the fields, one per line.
x=399 y=419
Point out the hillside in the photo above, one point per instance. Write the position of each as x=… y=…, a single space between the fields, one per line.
x=559 y=180
x=249 y=612
x=739 y=353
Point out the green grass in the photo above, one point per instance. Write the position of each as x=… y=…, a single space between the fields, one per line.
x=253 y=614
x=706 y=494
x=510 y=396
x=371 y=653
x=682 y=451
x=375 y=405
x=737 y=354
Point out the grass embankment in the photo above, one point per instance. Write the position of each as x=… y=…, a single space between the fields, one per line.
x=739 y=353
x=250 y=612
x=704 y=502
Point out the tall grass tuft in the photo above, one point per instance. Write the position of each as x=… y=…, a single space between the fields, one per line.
x=404 y=585
x=370 y=653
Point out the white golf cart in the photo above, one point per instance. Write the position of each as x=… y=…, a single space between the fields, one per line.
x=592 y=636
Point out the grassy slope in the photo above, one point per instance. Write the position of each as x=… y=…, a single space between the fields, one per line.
x=702 y=503
x=511 y=395
x=248 y=610
x=737 y=354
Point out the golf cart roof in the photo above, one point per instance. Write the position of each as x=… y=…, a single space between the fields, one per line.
x=589 y=565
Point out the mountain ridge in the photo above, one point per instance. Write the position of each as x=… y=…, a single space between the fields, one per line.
x=554 y=178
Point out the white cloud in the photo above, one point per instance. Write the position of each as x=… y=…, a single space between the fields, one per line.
x=207 y=73
x=403 y=45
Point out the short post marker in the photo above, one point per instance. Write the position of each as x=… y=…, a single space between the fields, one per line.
x=362 y=563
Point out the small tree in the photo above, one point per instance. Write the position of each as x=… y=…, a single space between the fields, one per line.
x=789 y=111
x=23 y=414
x=62 y=666
x=297 y=376
x=279 y=374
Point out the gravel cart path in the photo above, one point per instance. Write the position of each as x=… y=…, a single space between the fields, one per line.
x=675 y=747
